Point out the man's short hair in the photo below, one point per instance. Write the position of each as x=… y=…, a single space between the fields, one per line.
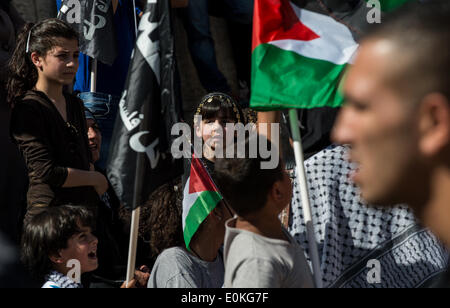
x=421 y=35
x=242 y=181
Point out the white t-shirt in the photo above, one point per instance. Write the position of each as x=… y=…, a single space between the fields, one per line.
x=177 y=268
x=256 y=261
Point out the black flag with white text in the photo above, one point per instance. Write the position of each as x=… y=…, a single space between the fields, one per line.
x=93 y=20
x=139 y=157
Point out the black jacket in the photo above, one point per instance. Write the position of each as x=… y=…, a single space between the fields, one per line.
x=50 y=146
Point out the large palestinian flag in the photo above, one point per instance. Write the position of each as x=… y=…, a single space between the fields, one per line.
x=298 y=57
x=300 y=53
x=200 y=197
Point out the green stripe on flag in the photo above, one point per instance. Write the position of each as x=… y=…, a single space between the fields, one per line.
x=284 y=79
x=205 y=203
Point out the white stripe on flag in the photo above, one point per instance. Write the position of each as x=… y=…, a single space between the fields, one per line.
x=188 y=201
x=335 y=45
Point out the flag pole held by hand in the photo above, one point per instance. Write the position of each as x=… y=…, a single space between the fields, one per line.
x=134 y=231
x=133 y=244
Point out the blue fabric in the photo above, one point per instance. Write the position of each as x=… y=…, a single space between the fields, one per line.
x=201 y=47
x=89 y=115
x=200 y=42
x=239 y=11
x=104 y=107
x=111 y=79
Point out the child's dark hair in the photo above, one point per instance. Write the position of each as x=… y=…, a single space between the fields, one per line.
x=242 y=181
x=215 y=104
x=46 y=231
x=40 y=38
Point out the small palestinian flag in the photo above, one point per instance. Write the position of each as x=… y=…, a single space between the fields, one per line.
x=298 y=57
x=200 y=197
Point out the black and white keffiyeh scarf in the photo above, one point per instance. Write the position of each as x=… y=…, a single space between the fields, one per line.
x=62 y=281
x=349 y=233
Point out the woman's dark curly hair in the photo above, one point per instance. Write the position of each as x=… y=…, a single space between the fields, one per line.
x=164 y=223
x=160 y=225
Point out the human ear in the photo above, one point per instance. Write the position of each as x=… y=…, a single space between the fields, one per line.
x=277 y=192
x=56 y=258
x=434 y=124
x=36 y=59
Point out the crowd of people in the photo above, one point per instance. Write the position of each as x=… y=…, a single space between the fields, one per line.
x=378 y=190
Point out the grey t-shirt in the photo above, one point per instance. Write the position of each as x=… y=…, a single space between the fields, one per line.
x=256 y=261
x=177 y=268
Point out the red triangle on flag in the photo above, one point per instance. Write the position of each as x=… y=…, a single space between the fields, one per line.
x=200 y=179
x=276 y=20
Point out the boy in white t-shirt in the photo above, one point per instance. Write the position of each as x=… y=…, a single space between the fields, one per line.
x=259 y=252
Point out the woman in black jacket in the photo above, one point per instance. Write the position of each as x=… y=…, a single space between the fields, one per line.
x=48 y=124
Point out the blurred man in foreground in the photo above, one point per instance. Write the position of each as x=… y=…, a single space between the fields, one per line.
x=397 y=115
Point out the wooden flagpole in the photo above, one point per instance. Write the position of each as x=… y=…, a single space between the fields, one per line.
x=94 y=75
x=135 y=216
x=134 y=232
x=301 y=180
x=131 y=264
x=135 y=18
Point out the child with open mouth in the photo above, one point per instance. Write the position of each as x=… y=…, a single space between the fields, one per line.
x=58 y=246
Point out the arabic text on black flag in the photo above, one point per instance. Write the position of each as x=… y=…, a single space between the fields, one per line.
x=93 y=20
x=139 y=157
